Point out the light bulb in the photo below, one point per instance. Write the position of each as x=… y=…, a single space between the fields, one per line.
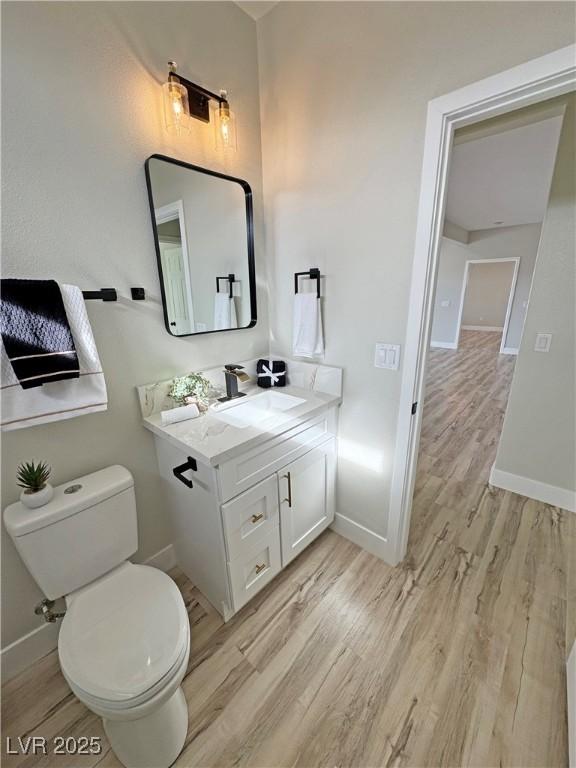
x=225 y=126
x=176 y=108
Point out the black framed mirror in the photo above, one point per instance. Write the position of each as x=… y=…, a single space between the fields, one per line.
x=204 y=238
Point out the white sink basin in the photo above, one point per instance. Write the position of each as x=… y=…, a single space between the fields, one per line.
x=251 y=411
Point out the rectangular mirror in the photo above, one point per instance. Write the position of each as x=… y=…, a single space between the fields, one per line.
x=203 y=232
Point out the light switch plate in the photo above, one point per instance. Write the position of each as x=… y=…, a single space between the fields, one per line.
x=387 y=356
x=543 y=341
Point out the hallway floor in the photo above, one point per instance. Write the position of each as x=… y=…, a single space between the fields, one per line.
x=456 y=657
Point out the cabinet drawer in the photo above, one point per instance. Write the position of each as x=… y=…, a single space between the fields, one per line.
x=257 y=566
x=250 y=516
x=242 y=472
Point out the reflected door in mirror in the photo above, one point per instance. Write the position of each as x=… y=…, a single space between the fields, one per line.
x=204 y=241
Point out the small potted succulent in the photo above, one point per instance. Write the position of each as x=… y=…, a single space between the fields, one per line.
x=33 y=478
x=193 y=388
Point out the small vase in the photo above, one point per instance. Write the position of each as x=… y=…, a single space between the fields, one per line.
x=38 y=499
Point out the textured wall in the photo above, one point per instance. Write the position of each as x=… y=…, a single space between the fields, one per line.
x=344 y=92
x=81 y=111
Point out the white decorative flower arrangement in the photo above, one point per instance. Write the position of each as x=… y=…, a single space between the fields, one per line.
x=192 y=388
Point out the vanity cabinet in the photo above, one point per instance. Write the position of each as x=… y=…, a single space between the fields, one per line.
x=237 y=524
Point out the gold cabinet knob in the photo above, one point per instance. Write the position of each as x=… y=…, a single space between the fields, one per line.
x=260 y=567
x=255 y=518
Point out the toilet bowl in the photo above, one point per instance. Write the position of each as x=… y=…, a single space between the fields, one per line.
x=124 y=641
x=123 y=648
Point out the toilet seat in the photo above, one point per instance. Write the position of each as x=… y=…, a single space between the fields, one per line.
x=124 y=637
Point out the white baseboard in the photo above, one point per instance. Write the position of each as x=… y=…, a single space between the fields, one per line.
x=534 y=489
x=494 y=328
x=509 y=351
x=372 y=542
x=444 y=344
x=165 y=560
x=20 y=654
x=23 y=652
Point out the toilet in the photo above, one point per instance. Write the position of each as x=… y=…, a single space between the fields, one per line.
x=124 y=641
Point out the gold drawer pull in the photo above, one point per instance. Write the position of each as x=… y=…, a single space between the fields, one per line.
x=255 y=518
x=260 y=567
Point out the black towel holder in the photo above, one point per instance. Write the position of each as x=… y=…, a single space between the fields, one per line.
x=110 y=294
x=231 y=278
x=104 y=294
x=313 y=274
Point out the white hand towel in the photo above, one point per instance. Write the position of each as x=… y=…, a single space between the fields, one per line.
x=224 y=312
x=307 y=337
x=61 y=399
x=181 y=413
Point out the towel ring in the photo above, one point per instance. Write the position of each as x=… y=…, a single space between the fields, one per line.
x=231 y=279
x=313 y=274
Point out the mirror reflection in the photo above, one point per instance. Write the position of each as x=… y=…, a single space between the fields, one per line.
x=203 y=231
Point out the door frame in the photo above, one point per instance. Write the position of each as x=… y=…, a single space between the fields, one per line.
x=512 y=291
x=171 y=212
x=530 y=83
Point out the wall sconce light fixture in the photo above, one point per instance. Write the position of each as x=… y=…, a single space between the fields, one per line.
x=184 y=100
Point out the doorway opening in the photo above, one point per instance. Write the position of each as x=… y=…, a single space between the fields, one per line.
x=533 y=83
x=497 y=198
x=488 y=297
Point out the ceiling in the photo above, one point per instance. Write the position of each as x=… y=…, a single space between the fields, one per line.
x=256 y=8
x=503 y=179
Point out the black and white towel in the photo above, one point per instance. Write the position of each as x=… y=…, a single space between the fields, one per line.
x=36 y=333
x=271 y=373
x=81 y=392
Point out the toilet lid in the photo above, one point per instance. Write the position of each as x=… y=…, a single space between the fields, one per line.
x=122 y=634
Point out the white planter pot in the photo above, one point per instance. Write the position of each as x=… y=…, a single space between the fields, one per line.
x=38 y=499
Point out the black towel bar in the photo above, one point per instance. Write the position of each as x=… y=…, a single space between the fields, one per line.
x=110 y=294
x=105 y=294
x=313 y=274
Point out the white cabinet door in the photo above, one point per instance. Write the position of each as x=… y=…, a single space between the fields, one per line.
x=306 y=498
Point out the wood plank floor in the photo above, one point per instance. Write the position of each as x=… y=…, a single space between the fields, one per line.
x=454 y=658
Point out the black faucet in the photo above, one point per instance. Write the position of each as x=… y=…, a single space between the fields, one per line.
x=232 y=374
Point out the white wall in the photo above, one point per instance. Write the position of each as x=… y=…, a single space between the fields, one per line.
x=449 y=280
x=504 y=242
x=344 y=93
x=538 y=440
x=81 y=102
x=487 y=294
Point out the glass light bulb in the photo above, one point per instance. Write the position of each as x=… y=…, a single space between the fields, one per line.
x=225 y=128
x=176 y=109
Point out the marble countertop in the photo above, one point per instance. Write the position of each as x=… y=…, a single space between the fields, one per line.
x=213 y=441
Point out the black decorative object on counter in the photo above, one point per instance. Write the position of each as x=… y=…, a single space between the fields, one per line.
x=271 y=373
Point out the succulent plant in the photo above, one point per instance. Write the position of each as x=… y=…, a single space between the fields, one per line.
x=192 y=385
x=33 y=476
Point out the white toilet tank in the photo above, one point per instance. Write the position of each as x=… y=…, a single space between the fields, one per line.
x=87 y=529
